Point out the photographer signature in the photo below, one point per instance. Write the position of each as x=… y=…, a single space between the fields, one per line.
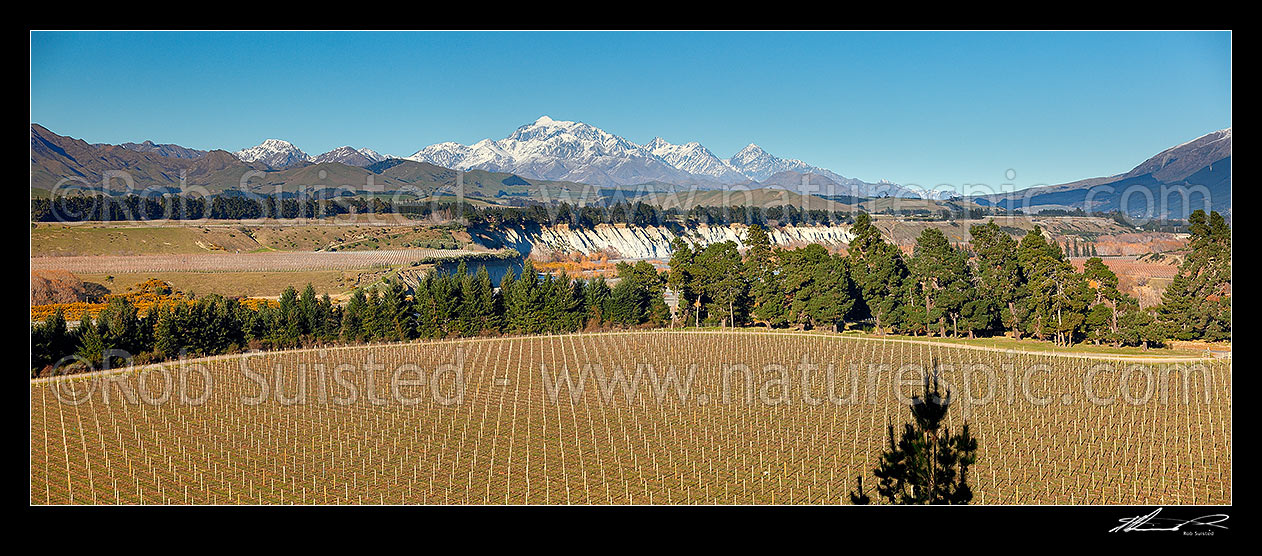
x=1151 y=522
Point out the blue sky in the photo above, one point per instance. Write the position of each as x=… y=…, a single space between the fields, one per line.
x=913 y=108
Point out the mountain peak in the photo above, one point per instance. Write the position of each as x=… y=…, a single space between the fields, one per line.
x=273 y=143
x=1185 y=159
x=350 y=156
x=577 y=151
x=276 y=153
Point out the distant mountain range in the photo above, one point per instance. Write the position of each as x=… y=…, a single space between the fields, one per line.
x=548 y=159
x=279 y=154
x=1156 y=188
x=63 y=162
x=352 y=156
x=556 y=150
x=576 y=151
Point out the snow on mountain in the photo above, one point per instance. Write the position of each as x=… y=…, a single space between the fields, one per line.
x=756 y=164
x=790 y=173
x=694 y=158
x=374 y=155
x=448 y=155
x=350 y=156
x=576 y=151
x=276 y=153
x=558 y=150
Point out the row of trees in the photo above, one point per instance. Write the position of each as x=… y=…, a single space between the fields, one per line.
x=996 y=284
x=77 y=208
x=441 y=306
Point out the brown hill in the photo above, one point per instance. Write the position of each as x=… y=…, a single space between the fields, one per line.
x=60 y=162
x=1200 y=168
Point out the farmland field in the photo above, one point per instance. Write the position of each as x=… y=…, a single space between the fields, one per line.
x=1146 y=280
x=254 y=284
x=719 y=418
x=1130 y=266
x=276 y=261
x=206 y=236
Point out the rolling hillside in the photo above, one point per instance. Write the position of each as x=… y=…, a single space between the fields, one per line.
x=1201 y=168
x=67 y=163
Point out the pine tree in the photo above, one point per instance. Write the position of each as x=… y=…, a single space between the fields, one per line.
x=941 y=282
x=999 y=276
x=508 y=303
x=397 y=313
x=376 y=318
x=50 y=341
x=525 y=306
x=425 y=306
x=468 y=318
x=308 y=310
x=483 y=301
x=1058 y=296
x=681 y=280
x=817 y=288
x=766 y=287
x=1102 y=320
x=596 y=298
x=92 y=342
x=878 y=270
x=354 y=316
x=291 y=320
x=726 y=292
x=1197 y=304
x=927 y=464
x=329 y=319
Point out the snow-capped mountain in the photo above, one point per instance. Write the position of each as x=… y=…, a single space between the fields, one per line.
x=576 y=151
x=275 y=153
x=374 y=155
x=579 y=152
x=791 y=173
x=558 y=150
x=757 y=164
x=448 y=155
x=350 y=156
x=694 y=158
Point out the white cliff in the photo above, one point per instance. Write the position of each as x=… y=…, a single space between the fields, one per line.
x=648 y=242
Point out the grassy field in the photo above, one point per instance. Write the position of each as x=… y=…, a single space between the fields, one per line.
x=71 y=240
x=274 y=261
x=203 y=257
x=91 y=239
x=253 y=284
x=716 y=418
